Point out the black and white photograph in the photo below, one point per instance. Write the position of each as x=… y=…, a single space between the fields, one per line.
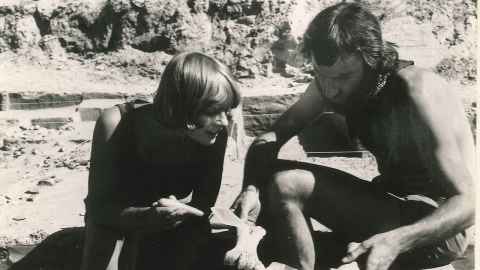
x=238 y=134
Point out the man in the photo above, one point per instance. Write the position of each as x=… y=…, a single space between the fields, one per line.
x=414 y=214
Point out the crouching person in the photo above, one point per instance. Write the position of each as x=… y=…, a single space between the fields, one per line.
x=156 y=170
x=414 y=214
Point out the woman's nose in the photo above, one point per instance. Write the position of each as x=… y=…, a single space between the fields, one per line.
x=222 y=119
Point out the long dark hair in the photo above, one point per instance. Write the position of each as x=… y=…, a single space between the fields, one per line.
x=347 y=28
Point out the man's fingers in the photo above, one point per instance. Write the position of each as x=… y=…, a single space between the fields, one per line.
x=354 y=251
x=352 y=246
x=379 y=261
x=244 y=209
x=246 y=262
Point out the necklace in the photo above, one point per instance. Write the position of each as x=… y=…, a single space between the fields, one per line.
x=381 y=81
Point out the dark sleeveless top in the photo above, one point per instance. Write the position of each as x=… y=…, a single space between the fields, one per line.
x=175 y=167
x=391 y=128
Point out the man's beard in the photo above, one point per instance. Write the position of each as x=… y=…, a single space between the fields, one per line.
x=360 y=97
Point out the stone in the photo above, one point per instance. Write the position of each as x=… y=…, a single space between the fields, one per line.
x=89 y=114
x=32 y=191
x=45 y=182
x=38 y=100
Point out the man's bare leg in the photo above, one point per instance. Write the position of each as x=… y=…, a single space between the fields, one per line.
x=289 y=225
x=340 y=201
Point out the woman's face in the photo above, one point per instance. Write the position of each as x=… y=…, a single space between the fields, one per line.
x=209 y=125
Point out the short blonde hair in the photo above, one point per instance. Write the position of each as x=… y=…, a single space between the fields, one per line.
x=193 y=84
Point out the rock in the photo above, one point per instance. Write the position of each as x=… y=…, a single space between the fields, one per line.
x=32 y=191
x=50 y=44
x=10 y=141
x=83 y=162
x=328 y=134
x=89 y=114
x=52 y=122
x=45 y=182
x=38 y=100
x=18 y=32
x=247 y=20
x=83 y=26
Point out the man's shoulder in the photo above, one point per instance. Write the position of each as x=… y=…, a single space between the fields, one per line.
x=423 y=83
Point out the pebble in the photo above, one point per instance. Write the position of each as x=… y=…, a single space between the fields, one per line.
x=83 y=162
x=45 y=183
x=32 y=191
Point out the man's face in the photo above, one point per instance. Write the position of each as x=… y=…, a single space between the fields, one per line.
x=342 y=83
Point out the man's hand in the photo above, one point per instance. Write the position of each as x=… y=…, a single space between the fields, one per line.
x=247 y=205
x=381 y=249
x=173 y=212
x=244 y=256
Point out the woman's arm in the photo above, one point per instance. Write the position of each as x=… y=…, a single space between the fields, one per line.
x=104 y=205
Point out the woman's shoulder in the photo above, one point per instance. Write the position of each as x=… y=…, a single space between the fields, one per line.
x=108 y=121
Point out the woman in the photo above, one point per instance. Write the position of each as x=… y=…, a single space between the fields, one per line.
x=145 y=156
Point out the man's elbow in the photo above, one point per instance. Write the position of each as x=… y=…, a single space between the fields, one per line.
x=467 y=204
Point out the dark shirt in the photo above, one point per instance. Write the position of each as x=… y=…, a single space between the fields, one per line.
x=173 y=165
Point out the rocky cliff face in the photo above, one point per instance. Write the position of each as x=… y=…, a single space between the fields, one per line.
x=251 y=36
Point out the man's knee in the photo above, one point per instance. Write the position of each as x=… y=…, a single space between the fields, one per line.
x=292 y=187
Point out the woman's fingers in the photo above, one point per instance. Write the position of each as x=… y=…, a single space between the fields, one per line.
x=173 y=203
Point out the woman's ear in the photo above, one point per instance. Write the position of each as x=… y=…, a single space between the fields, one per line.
x=191 y=126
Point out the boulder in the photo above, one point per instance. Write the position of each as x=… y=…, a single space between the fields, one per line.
x=39 y=100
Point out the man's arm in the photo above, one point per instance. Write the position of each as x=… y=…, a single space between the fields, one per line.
x=445 y=118
x=265 y=147
x=444 y=115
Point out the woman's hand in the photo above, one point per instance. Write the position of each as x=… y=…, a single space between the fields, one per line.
x=172 y=212
x=381 y=249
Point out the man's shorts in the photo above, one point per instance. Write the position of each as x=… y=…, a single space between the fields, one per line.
x=437 y=254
